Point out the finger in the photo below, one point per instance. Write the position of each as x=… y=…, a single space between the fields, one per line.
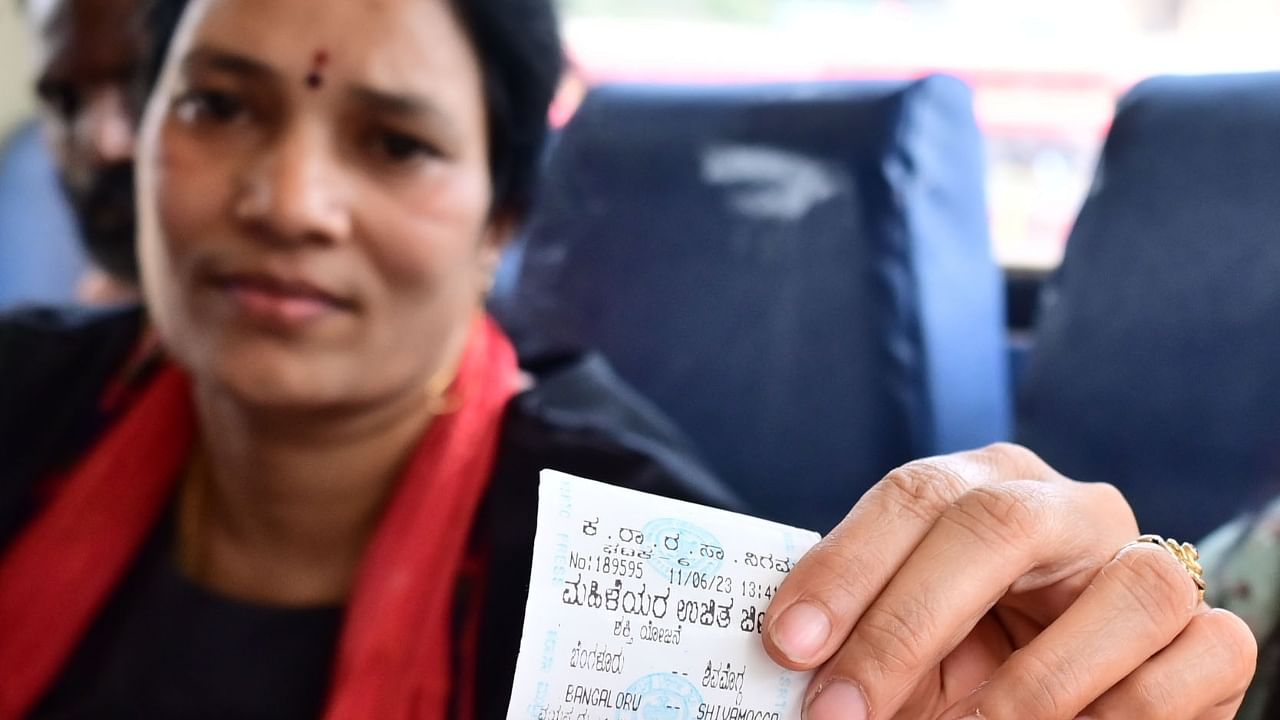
x=1203 y=675
x=1138 y=603
x=993 y=538
x=834 y=583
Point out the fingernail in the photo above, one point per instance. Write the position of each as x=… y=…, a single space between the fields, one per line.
x=801 y=632
x=838 y=701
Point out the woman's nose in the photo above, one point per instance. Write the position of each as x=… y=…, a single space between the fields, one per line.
x=294 y=191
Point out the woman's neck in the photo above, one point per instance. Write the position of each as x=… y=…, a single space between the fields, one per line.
x=284 y=504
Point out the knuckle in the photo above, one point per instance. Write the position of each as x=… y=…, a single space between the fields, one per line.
x=893 y=640
x=923 y=488
x=1157 y=583
x=828 y=573
x=1113 y=503
x=1048 y=686
x=1235 y=645
x=1017 y=456
x=1001 y=515
x=1156 y=696
x=1108 y=494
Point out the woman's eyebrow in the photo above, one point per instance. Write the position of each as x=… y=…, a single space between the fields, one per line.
x=211 y=58
x=408 y=107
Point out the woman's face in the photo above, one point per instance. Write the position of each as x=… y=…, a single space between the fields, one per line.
x=314 y=197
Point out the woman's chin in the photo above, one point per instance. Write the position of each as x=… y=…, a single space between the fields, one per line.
x=282 y=374
x=282 y=380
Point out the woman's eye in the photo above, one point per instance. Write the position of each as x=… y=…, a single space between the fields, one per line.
x=213 y=106
x=400 y=148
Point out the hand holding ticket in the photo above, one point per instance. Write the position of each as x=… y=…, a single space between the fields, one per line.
x=645 y=607
x=981 y=584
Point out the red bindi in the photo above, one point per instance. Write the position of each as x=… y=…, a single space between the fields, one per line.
x=315 y=80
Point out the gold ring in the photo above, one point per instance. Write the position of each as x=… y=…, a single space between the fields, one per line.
x=1186 y=554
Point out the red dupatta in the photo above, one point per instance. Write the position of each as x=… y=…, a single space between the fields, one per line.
x=393 y=658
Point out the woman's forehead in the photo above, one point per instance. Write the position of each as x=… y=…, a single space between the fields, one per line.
x=382 y=41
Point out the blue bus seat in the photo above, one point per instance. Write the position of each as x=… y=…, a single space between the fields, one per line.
x=799 y=275
x=1156 y=364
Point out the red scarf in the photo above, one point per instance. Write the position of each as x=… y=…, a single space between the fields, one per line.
x=393 y=659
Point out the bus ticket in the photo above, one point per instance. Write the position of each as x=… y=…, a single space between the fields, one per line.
x=641 y=607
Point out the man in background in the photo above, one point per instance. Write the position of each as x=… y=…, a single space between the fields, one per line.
x=87 y=55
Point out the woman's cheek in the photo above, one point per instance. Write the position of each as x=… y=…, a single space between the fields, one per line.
x=434 y=230
x=422 y=261
x=408 y=246
x=191 y=186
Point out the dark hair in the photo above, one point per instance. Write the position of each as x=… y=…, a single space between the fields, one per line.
x=521 y=58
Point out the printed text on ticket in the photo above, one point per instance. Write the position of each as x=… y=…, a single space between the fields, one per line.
x=644 y=608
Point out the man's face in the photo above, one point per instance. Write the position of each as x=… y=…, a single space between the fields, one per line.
x=87 y=55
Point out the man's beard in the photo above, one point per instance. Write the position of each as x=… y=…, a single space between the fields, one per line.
x=105 y=214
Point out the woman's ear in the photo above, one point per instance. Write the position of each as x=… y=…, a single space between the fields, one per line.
x=497 y=237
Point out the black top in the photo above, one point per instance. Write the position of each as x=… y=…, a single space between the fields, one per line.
x=166 y=648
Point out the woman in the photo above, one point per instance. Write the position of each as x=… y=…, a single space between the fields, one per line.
x=320 y=501
x=296 y=314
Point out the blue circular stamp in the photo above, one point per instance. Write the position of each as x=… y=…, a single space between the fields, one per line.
x=660 y=696
x=679 y=545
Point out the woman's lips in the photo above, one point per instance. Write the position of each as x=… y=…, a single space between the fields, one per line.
x=280 y=302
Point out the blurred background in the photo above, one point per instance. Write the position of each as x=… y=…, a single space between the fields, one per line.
x=1045 y=74
x=16 y=97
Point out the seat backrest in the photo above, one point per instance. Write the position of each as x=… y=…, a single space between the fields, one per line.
x=800 y=275
x=40 y=255
x=1156 y=364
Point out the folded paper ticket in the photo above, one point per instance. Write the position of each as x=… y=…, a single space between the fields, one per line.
x=648 y=608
